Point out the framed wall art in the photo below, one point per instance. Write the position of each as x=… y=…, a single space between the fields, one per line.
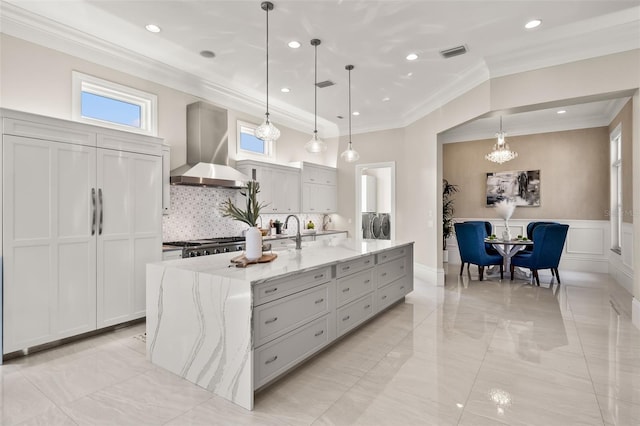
x=519 y=186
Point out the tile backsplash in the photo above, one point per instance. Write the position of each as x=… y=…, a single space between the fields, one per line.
x=195 y=214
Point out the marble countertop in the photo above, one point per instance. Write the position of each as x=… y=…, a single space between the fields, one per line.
x=304 y=233
x=314 y=254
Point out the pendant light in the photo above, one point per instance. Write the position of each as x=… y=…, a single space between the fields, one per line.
x=315 y=145
x=267 y=131
x=350 y=155
x=501 y=151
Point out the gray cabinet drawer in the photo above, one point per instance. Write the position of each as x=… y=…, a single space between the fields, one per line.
x=275 y=289
x=393 y=292
x=354 y=313
x=391 y=271
x=352 y=266
x=278 y=356
x=353 y=286
x=391 y=254
x=274 y=319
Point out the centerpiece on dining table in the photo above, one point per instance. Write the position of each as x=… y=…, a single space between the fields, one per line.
x=505 y=209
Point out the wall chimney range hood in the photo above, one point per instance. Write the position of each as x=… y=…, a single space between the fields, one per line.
x=207 y=152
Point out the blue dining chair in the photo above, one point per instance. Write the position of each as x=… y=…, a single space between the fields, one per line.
x=470 y=238
x=548 y=242
x=530 y=227
x=489 y=230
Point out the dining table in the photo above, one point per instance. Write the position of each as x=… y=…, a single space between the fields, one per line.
x=509 y=248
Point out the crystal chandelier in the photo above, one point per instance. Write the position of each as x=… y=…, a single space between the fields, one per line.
x=350 y=155
x=315 y=145
x=501 y=152
x=267 y=131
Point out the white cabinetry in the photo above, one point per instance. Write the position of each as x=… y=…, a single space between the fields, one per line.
x=80 y=222
x=166 y=176
x=319 y=188
x=279 y=185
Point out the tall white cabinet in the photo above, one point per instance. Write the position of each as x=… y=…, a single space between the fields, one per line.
x=319 y=188
x=279 y=185
x=82 y=210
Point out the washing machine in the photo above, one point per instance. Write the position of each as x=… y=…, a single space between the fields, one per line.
x=381 y=228
x=367 y=225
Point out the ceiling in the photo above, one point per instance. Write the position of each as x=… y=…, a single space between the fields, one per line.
x=375 y=36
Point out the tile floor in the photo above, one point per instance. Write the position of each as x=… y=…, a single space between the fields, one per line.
x=471 y=353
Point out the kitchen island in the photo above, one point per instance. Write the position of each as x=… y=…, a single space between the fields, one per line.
x=233 y=330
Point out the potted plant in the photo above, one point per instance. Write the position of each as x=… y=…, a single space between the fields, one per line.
x=253 y=236
x=448 y=190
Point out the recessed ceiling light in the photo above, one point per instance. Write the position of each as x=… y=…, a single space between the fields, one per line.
x=409 y=74
x=412 y=57
x=285 y=90
x=562 y=111
x=294 y=44
x=207 y=54
x=533 y=24
x=386 y=99
x=152 y=28
x=356 y=113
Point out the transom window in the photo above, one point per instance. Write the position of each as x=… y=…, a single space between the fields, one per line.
x=108 y=104
x=249 y=146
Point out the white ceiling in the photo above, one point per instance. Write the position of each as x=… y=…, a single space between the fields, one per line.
x=374 y=36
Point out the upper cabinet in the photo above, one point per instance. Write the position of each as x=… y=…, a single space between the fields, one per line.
x=279 y=185
x=319 y=188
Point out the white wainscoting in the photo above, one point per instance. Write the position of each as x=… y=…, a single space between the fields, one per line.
x=621 y=265
x=586 y=248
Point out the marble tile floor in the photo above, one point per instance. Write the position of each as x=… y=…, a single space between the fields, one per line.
x=469 y=353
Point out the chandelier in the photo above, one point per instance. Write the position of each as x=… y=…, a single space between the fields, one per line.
x=267 y=131
x=501 y=151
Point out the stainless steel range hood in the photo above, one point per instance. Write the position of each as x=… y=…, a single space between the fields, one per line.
x=207 y=153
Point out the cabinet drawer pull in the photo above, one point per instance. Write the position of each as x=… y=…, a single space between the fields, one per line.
x=384 y=274
x=346 y=268
x=319 y=333
x=344 y=290
x=401 y=287
x=317 y=277
x=319 y=300
x=402 y=267
x=367 y=306
x=269 y=321
x=367 y=281
x=383 y=297
x=367 y=262
x=271 y=290
x=346 y=318
x=272 y=359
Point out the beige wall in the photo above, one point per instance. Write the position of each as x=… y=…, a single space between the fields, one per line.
x=574 y=174
x=625 y=118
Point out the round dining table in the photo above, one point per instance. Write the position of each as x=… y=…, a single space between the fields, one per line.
x=508 y=248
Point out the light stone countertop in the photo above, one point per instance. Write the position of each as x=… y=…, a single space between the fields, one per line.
x=314 y=254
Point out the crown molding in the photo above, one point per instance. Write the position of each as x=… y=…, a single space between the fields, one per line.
x=614 y=107
x=17 y=22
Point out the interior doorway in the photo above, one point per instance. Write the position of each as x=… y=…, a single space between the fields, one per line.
x=376 y=201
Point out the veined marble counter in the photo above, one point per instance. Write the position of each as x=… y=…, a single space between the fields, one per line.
x=199 y=311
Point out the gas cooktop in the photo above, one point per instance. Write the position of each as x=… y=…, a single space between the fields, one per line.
x=206 y=241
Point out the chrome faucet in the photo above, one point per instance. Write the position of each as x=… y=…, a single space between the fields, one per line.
x=298 y=236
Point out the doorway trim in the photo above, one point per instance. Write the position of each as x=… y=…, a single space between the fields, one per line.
x=360 y=168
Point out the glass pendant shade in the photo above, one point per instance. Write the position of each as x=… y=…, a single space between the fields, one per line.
x=267 y=131
x=501 y=151
x=350 y=155
x=315 y=145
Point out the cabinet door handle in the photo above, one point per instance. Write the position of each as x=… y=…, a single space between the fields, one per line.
x=317 y=277
x=271 y=290
x=384 y=274
x=383 y=297
x=346 y=268
x=367 y=281
x=101 y=211
x=346 y=318
x=319 y=300
x=402 y=267
x=402 y=288
x=344 y=290
x=272 y=359
x=319 y=333
x=93 y=211
x=367 y=306
x=367 y=262
x=269 y=321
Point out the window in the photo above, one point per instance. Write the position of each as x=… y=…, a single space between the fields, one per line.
x=108 y=104
x=249 y=146
x=616 y=189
